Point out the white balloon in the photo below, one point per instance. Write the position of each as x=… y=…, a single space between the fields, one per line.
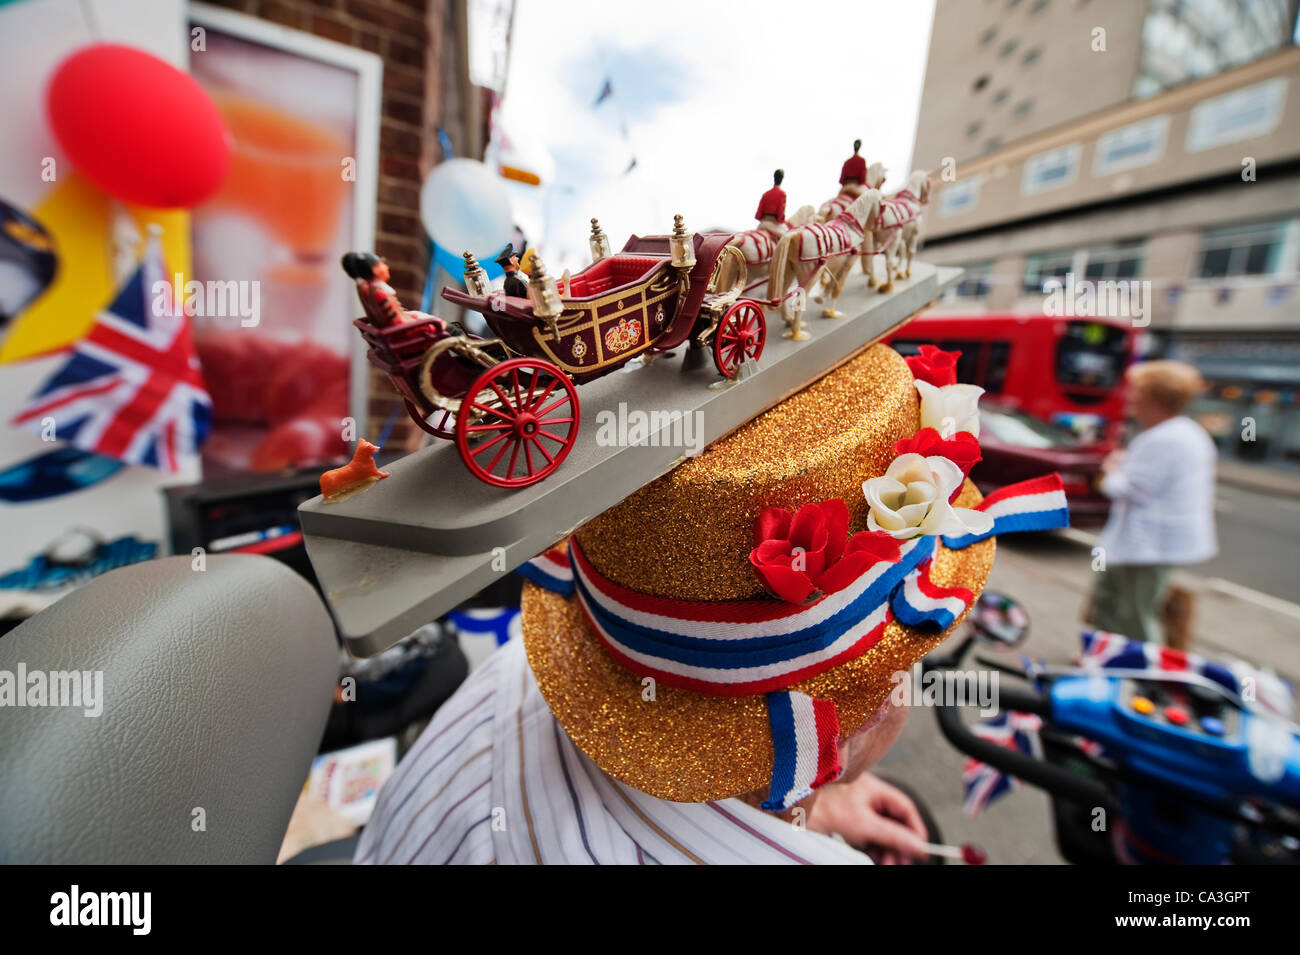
x=466 y=207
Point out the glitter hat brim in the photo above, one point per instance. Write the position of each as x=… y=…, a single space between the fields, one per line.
x=692 y=747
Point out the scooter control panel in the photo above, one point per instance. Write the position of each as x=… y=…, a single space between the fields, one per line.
x=1186 y=707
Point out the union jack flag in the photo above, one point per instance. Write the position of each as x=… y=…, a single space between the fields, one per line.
x=132 y=388
x=984 y=783
x=1112 y=651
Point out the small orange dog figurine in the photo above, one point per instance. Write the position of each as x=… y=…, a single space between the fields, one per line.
x=354 y=477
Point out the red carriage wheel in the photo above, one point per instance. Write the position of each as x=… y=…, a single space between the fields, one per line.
x=740 y=336
x=441 y=423
x=517 y=422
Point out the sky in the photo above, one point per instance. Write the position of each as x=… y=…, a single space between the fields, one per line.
x=709 y=97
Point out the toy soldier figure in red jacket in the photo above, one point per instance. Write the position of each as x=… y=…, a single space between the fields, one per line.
x=771 y=208
x=853 y=174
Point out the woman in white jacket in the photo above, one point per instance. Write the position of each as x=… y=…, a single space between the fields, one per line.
x=1162 y=493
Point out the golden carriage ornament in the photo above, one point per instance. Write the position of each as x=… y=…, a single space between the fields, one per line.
x=510 y=402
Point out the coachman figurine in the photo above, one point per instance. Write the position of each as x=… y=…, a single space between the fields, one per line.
x=771 y=207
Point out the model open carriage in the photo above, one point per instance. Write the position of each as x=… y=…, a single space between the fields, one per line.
x=510 y=402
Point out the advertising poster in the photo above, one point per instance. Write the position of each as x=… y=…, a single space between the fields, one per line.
x=303 y=115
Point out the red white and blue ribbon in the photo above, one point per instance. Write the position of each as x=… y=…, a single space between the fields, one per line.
x=550 y=570
x=924 y=605
x=740 y=647
x=805 y=737
x=1034 y=505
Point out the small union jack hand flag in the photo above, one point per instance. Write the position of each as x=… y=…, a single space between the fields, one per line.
x=983 y=783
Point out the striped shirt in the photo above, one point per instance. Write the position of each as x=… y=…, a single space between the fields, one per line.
x=494 y=779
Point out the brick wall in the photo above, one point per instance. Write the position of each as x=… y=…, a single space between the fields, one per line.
x=417 y=41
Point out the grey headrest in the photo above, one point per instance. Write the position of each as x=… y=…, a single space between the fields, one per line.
x=215 y=687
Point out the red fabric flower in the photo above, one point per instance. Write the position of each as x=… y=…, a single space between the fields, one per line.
x=934 y=365
x=962 y=449
x=802 y=557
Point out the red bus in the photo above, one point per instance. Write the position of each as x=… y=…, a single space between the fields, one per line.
x=1062 y=370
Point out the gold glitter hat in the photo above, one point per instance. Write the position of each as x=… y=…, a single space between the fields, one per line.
x=688 y=536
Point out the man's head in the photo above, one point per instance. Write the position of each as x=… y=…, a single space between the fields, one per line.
x=507 y=258
x=778 y=177
x=864 y=748
x=1159 y=390
x=365 y=265
x=857 y=144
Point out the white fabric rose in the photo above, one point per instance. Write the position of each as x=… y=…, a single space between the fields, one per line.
x=951 y=408
x=911 y=499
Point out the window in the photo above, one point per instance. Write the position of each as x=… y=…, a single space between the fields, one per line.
x=1032 y=56
x=1242 y=114
x=974 y=285
x=1242 y=250
x=969 y=359
x=1008 y=48
x=1091 y=354
x=1120 y=260
x=1038 y=7
x=1023 y=108
x=995 y=375
x=1131 y=146
x=1187 y=39
x=980 y=83
x=958 y=197
x=1001 y=97
x=993 y=145
x=1044 y=266
x=988 y=36
x=1050 y=170
x=973 y=129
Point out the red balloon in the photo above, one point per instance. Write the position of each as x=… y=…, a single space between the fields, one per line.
x=137 y=127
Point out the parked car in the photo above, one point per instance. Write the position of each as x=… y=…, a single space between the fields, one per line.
x=1017 y=446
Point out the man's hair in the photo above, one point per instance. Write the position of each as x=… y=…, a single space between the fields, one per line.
x=857 y=144
x=777 y=177
x=360 y=265
x=1171 y=384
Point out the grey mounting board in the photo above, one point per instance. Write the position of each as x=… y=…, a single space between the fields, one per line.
x=421 y=542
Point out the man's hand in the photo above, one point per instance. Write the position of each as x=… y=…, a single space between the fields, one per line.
x=1112 y=461
x=872 y=815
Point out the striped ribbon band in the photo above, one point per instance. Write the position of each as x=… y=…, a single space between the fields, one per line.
x=741 y=647
x=1034 y=505
x=805 y=738
x=924 y=605
x=550 y=570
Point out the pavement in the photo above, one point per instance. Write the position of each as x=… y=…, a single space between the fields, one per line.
x=1281 y=482
x=1246 y=607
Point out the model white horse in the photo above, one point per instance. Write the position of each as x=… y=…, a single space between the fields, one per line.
x=819 y=248
x=831 y=208
x=891 y=226
x=910 y=237
x=756 y=247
